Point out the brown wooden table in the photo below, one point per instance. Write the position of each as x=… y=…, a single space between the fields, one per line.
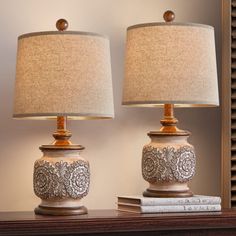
x=112 y=222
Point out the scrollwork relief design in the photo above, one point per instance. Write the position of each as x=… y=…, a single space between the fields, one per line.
x=168 y=164
x=61 y=179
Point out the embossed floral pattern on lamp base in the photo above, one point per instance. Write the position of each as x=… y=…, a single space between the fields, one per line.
x=168 y=163
x=61 y=180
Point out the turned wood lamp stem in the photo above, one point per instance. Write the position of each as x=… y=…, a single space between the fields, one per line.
x=62 y=135
x=61 y=123
x=169 y=121
x=169 y=111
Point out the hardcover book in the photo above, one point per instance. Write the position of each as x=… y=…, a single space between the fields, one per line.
x=197 y=203
x=148 y=201
x=166 y=208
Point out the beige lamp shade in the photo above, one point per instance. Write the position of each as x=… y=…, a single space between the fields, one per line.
x=63 y=74
x=170 y=63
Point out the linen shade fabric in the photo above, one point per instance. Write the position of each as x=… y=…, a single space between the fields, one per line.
x=63 y=73
x=170 y=63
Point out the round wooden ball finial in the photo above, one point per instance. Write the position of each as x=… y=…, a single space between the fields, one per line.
x=62 y=24
x=169 y=16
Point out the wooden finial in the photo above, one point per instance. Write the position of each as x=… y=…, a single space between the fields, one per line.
x=62 y=24
x=169 y=16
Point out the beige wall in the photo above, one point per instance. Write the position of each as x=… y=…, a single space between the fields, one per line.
x=112 y=147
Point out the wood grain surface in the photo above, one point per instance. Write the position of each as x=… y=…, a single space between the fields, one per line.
x=112 y=222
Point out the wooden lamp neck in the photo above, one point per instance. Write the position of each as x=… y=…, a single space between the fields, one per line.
x=61 y=122
x=62 y=135
x=169 y=121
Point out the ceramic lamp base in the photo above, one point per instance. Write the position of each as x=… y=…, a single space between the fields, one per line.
x=61 y=180
x=168 y=164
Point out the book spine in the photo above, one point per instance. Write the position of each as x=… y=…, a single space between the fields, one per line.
x=179 y=208
x=181 y=201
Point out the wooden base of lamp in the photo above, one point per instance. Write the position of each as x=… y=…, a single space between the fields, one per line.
x=61 y=176
x=168 y=161
x=167 y=193
x=60 y=211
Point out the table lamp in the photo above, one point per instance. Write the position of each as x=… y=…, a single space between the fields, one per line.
x=170 y=65
x=62 y=75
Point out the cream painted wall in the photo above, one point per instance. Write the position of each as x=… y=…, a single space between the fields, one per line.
x=112 y=147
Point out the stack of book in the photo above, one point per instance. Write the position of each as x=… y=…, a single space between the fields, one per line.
x=197 y=203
